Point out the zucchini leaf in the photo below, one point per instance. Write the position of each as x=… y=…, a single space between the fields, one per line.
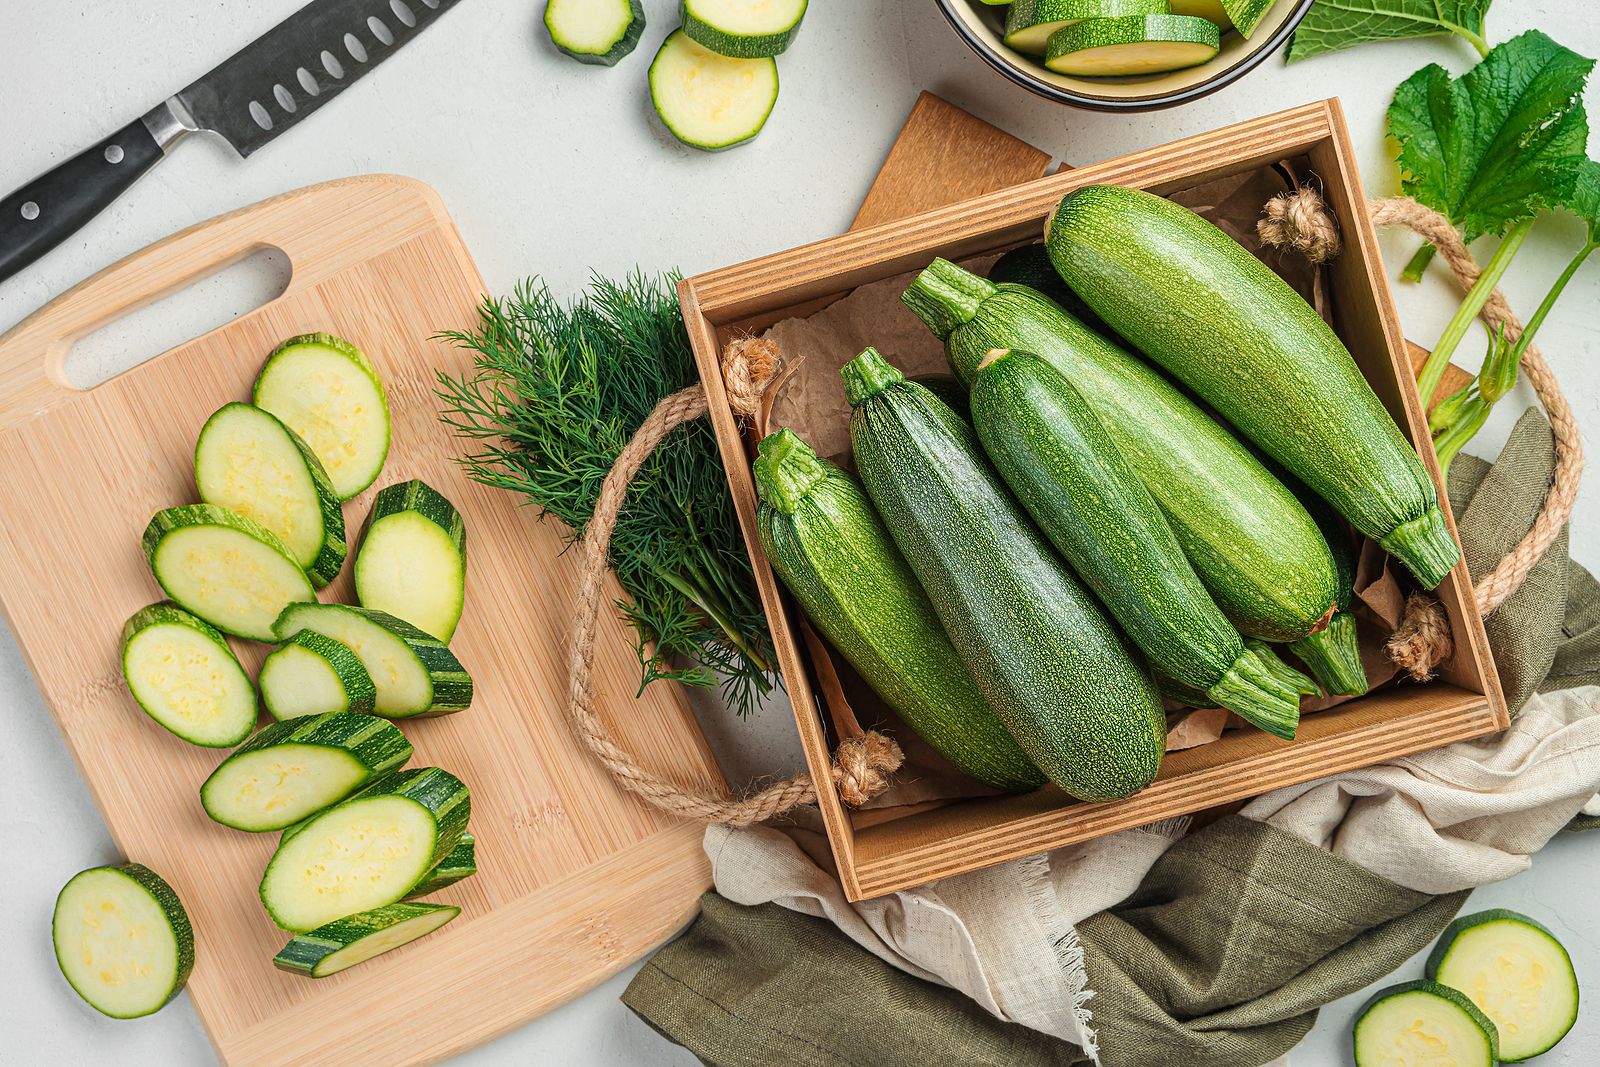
x=1334 y=25
x=1499 y=144
x=1585 y=199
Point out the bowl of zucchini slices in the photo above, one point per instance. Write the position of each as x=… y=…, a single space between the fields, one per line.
x=1124 y=55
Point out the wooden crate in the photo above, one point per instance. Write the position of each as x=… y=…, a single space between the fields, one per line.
x=877 y=856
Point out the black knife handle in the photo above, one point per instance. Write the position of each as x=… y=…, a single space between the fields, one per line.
x=53 y=206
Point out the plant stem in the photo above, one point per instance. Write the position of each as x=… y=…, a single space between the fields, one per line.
x=1456 y=329
x=1473 y=415
x=1419 y=263
x=699 y=598
x=1474 y=39
x=1549 y=302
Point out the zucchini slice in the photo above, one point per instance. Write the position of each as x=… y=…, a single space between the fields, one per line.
x=413 y=558
x=355 y=939
x=229 y=570
x=293 y=769
x=1423 y=1022
x=1029 y=23
x=744 y=29
x=594 y=31
x=186 y=678
x=710 y=101
x=122 y=939
x=311 y=674
x=249 y=462
x=366 y=851
x=461 y=863
x=1516 y=973
x=326 y=390
x=414 y=674
x=1144 y=44
x=1243 y=15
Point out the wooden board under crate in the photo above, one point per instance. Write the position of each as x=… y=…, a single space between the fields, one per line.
x=878 y=855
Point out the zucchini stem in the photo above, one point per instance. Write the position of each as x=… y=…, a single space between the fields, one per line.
x=1419 y=263
x=1477 y=296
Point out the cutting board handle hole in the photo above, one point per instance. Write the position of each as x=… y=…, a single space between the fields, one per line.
x=198 y=308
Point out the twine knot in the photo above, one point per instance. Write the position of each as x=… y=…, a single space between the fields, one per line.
x=1422 y=641
x=748 y=366
x=862 y=766
x=1300 y=220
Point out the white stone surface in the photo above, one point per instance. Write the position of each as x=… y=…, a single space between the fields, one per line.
x=557 y=169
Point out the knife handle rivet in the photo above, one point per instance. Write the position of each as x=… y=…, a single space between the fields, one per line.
x=30 y=210
x=113 y=153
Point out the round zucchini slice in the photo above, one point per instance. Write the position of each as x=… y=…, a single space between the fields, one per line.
x=367 y=851
x=355 y=939
x=1029 y=23
x=1120 y=47
x=229 y=570
x=293 y=769
x=413 y=558
x=185 y=677
x=1423 y=1022
x=594 y=31
x=326 y=390
x=710 y=101
x=312 y=674
x=744 y=29
x=1517 y=974
x=122 y=939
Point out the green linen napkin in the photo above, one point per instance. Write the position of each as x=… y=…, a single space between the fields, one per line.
x=1221 y=958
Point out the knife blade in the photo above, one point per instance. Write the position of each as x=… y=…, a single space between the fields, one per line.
x=259 y=93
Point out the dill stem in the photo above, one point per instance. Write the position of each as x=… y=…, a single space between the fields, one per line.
x=699 y=597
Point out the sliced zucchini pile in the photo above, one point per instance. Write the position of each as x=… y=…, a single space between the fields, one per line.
x=1516 y=973
x=594 y=31
x=183 y=674
x=249 y=462
x=708 y=100
x=365 y=852
x=1029 y=23
x=122 y=939
x=414 y=673
x=326 y=390
x=229 y=570
x=311 y=674
x=744 y=29
x=1132 y=45
x=354 y=939
x=413 y=558
x=293 y=769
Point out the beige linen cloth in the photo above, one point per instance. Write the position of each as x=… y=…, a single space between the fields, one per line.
x=1457 y=817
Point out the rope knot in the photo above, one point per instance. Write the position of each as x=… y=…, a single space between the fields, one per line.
x=862 y=766
x=1300 y=220
x=748 y=366
x=1422 y=641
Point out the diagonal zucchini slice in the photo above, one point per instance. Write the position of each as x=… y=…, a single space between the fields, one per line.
x=343 y=943
x=181 y=671
x=414 y=673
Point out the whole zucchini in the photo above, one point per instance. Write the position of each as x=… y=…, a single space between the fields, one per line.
x=1173 y=689
x=1045 y=657
x=1194 y=300
x=1246 y=536
x=834 y=555
x=1065 y=469
x=1333 y=654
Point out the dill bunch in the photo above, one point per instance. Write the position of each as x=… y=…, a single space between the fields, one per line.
x=554 y=396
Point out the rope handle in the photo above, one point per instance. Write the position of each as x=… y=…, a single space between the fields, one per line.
x=861 y=766
x=1301 y=220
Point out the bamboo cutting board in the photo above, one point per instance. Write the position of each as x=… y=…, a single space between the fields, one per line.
x=576 y=879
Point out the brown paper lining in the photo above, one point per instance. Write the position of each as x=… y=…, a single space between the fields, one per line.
x=812 y=404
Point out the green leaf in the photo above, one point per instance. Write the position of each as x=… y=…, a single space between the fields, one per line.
x=1585 y=199
x=1334 y=25
x=1499 y=144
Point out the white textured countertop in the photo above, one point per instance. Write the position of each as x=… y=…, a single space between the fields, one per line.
x=555 y=169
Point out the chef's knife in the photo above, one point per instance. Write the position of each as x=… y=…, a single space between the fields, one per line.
x=263 y=90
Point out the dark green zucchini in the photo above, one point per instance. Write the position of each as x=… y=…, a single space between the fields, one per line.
x=1063 y=466
x=1301 y=683
x=834 y=555
x=1195 y=301
x=1030 y=265
x=1333 y=654
x=1045 y=657
x=1250 y=541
